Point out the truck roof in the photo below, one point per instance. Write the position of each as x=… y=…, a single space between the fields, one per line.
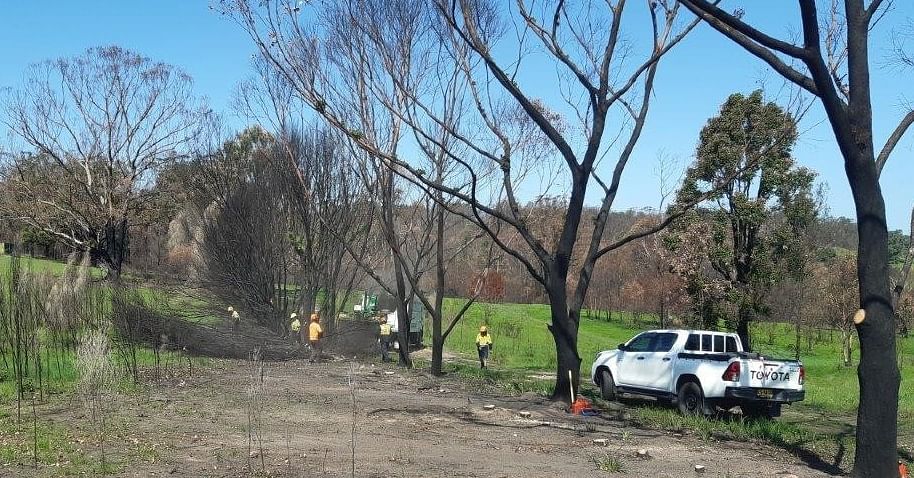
x=690 y=331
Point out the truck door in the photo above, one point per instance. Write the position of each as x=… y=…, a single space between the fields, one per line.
x=657 y=366
x=632 y=359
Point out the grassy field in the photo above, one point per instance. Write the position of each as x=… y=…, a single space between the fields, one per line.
x=59 y=372
x=523 y=360
x=523 y=343
x=819 y=429
x=41 y=266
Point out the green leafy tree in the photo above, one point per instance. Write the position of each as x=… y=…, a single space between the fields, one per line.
x=33 y=239
x=756 y=222
x=898 y=247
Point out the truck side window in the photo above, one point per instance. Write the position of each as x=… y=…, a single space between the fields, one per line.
x=731 y=345
x=706 y=342
x=641 y=343
x=664 y=342
x=718 y=343
x=693 y=342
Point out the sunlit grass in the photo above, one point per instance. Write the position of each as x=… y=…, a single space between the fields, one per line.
x=522 y=342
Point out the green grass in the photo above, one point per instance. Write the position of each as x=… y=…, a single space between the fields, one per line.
x=608 y=463
x=523 y=346
x=779 y=432
x=59 y=371
x=510 y=382
x=41 y=266
x=831 y=386
x=524 y=358
x=59 y=452
x=521 y=339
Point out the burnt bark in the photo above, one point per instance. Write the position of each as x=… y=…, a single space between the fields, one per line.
x=110 y=251
x=742 y=327
x=437 y=311
x=564 y=329
x=403 y=294
x=849 y=110
x=877 y=372
x=468 y=30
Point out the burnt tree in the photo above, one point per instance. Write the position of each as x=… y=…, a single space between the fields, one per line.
x=833 y=65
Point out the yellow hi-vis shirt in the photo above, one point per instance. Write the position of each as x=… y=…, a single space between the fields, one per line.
x=385 y=329
x=483 y=340
x=314 y=331
x=296 y=325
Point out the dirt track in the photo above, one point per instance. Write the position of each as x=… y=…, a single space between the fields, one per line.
x=407 y=425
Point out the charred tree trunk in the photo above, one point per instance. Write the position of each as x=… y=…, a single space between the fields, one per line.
x=111 y=250
x=663 y=312
x=742 y=326
x=438 y=313
x=309 y=301
x=403 y=293
x=564 y=329
x=437 y=347
x=877 y=372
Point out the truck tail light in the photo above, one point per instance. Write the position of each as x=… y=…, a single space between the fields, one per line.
x=802 y=375
x=732 y=373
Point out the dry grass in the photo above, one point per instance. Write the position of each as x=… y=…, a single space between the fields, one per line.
x=96 y=387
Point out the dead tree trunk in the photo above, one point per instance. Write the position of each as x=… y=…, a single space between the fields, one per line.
x=847 y=342
x=877 y=425
x=848 y=104
x=742 y=327
x=564 y=329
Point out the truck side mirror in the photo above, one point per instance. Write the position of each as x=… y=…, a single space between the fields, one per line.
x=622 y=347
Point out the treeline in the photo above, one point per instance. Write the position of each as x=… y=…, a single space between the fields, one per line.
x=296 y=217
x=638 y=279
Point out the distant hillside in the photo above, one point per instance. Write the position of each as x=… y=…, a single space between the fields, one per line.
x=840 y=234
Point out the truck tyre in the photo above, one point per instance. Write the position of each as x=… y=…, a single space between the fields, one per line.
x=607 y=386
x=691 y=399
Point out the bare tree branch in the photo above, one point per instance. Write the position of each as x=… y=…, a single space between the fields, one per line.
x=893 y=140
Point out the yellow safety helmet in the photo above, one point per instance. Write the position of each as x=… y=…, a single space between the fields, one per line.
x=483 y=329
x=315 y=317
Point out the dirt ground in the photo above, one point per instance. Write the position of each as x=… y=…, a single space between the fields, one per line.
x=403 y=424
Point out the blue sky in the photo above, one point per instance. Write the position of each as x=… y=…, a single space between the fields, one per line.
x=692 y=82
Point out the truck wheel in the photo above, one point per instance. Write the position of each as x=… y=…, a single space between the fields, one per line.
x=607 y=386
x=691 y=399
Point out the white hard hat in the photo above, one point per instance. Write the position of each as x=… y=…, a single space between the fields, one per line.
x=294 y=315
x=230 y=309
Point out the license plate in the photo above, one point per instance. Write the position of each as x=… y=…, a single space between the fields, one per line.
x=764 y=393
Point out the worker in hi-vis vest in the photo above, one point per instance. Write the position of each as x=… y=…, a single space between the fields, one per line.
x=315 y=332
x=483 y=346
x=236 y=318
x=296 y=328
x=384 y=338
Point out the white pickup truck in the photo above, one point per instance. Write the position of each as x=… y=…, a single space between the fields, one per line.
x=699 y=370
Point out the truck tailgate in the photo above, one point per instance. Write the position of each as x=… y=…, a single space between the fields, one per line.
x=774 y=374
